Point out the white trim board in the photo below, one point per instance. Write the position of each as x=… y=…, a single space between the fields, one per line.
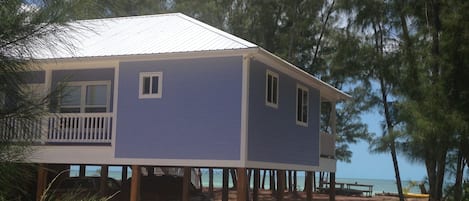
x=104 y=155
x=244 y=109
x=105 y=61
x=326 y=165
x=115 y=107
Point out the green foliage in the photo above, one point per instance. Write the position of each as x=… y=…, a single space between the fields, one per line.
x=23 y=25
x=450 y=192
x=77 y=195
x=16 y=181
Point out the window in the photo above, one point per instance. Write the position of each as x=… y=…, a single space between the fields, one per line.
x=271 y=90
x=150 y=85
x=85 y=97
x=302 y=105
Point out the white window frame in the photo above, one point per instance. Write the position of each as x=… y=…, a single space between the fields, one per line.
x=301 y=121
x=142 y=75
x=83 y=85
x=267 y=102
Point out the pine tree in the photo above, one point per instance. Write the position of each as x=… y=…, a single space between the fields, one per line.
x=25 y=26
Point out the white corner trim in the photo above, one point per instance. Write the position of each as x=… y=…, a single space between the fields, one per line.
x=114 y=107
x=244 y=109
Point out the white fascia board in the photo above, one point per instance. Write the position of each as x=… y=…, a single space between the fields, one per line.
x=327 y=91
x=103 y=60
x=325 y=165
x=104 y=155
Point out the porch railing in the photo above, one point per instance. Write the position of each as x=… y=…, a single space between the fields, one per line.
x=327 y=145
x=60 y=128
x=20 y=129
x=80 y=127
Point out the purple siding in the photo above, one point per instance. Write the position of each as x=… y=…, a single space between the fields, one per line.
x=103 y=74
x=273 y=135
x=198 y=116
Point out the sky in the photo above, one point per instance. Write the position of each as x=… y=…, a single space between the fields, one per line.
x=377 y=166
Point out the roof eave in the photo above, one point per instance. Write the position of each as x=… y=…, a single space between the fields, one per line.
x=327 y=91
x=155 y=56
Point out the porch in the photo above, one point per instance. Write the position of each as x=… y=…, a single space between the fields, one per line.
x=60 y=128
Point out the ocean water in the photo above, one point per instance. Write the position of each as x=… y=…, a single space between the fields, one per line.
x=379 y=185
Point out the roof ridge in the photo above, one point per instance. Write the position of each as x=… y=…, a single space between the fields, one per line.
x=217 y=31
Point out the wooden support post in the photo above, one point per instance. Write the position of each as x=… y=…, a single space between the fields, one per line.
x=233 y=178
x=314 y=181
x=332 y=186
x=82 y=171
x=309 y=186
x=255 y=188
x=295 y=181
x=41 y=181
x=210 y=182
x=264 y=173
x=135 y=184
x=186 y=182
x=224 y=191
x=290 y=181
x=201 y=183
x=280 y=184
x=103 y=183
x=272 y=181
x=124 y=173
x=242 y=184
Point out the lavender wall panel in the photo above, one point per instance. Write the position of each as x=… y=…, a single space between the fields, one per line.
x=198 y=116
x=102 y=74
x=273 y=135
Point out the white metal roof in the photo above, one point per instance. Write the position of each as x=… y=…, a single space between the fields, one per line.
x=140 y=35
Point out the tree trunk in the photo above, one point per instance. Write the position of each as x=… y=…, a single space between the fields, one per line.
x=459 y=176
x=396 y=171
x=441 y=175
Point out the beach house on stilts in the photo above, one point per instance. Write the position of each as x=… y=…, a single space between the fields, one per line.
x=170 y=91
